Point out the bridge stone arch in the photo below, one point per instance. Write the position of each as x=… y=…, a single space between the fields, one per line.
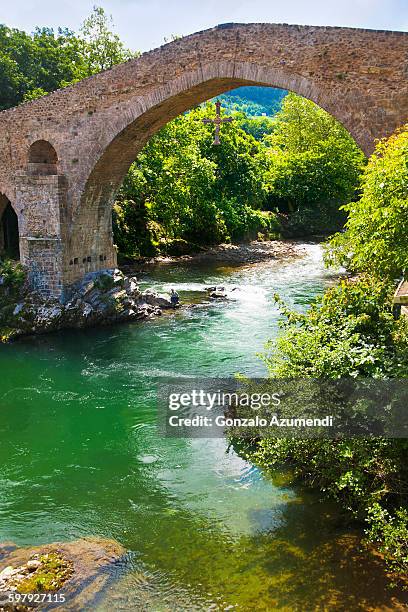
x=100 y=124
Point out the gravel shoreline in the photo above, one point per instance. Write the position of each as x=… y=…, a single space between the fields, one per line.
x=235 y=254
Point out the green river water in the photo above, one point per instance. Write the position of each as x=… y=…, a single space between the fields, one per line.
x=80 y=455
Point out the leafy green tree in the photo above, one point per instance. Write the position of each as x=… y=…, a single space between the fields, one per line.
x=185 y=188
x=101 y=47
x=42 y=62
x=376 y=238
x=11 y=81
x=313 y=160
x=240 y=160
x=253 y=101
x=258 y=127
x=351 y=331
x=33 y=65
x=303 y=126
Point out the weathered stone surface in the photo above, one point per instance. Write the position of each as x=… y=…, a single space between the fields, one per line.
x=33 y=564
x=93 y=561
x=156 y=299
x=92 y=302
x=63 y=156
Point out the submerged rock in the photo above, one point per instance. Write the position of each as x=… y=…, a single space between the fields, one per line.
x=90 y=568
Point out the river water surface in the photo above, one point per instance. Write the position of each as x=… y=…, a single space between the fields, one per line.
x=205 y=529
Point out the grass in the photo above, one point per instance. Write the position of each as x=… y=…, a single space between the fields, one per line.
x=53 y=573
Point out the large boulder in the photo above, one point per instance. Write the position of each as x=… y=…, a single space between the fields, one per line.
x=156 y=299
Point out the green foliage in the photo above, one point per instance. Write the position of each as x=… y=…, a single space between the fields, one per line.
x=50 y=576
x=359 y=473
x=258 y=127
x=32 y=65
x=320 y=219
x=390 y=534
x=182 y=187
x=101 y=48
x=12 y=275
x=350 y=331
x=312 y=159
x=376 y=239
x=33 y=94
x=369 y=477
x=44 y=61
x=253 y=101
x=104 y=282
x=12 y=287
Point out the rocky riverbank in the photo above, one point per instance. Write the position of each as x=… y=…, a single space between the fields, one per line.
x=68 y=575
x=112 y=296
x=100 y=299
x=233 y=254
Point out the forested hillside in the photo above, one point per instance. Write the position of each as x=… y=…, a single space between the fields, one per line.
x=254 y=101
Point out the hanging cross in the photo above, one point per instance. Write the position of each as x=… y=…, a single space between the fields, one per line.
x=217 y=121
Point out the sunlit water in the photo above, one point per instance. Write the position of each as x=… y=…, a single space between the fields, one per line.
x=205 y=530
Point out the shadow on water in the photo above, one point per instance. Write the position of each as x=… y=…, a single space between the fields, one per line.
x=309 y=562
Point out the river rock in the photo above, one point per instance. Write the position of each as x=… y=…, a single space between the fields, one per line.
x=99 y=299
x=94 y=568
x=33 y=564
x=217 y=293
x=7 y=573
x=131 y=286
x=156 y=299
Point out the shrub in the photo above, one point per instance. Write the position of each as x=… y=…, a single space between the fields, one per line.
x=376 y=237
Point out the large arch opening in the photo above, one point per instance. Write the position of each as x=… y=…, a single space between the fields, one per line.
x=130 y=136
x=9 y=232
x=131 y=131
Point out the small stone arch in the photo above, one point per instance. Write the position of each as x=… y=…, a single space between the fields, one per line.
x=42 y=158
x=9 y=230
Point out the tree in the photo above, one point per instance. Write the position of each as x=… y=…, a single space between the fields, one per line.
x=376 y=238
x=33 y=65
x=313 y=160
x=101 y=47
x=11 y=81
x=182 y=187
x=351 y=332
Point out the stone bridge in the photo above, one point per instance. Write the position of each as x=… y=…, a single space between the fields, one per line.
x=64 y=156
